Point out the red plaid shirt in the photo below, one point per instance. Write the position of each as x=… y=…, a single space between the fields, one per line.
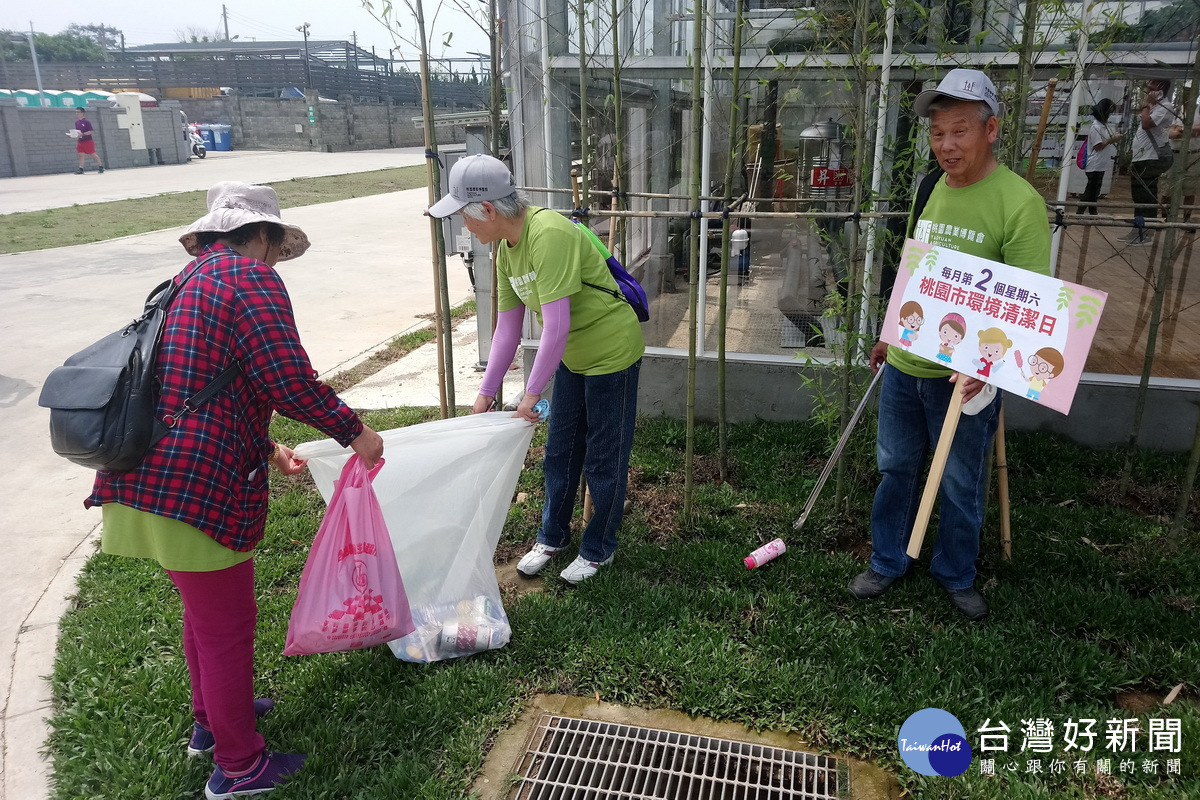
x=211 y=470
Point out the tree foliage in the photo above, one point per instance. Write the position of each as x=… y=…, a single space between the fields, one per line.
x=65 y=46
x=106 y=36
x=1178 y=22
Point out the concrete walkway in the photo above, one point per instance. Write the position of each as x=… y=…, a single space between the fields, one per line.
x=366 y=279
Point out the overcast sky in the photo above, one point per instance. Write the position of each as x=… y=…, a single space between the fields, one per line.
x=160 y=21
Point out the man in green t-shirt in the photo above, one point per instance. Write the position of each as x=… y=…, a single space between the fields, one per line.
x=591 y=343
x=982 y=208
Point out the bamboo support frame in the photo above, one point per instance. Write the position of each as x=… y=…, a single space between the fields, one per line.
x=441 y=295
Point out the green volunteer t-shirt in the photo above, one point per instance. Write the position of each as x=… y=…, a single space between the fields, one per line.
x=553 y=259
x=1000 y=218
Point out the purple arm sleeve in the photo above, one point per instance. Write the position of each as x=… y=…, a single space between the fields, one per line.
x=504 y=346
x=556 y=322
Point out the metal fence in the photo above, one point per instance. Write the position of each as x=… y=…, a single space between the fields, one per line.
x=154 y=77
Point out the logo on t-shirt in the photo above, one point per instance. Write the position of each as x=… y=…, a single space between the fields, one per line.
x=944 y=235
x=521 y=284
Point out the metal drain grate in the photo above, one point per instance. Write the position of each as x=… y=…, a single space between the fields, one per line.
x=588 y=760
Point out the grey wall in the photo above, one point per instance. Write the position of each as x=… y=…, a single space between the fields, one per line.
x=1100 y=417
x=268 y=123
x=34 y=140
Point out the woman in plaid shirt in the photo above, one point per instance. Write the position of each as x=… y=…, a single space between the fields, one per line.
x=198 y=502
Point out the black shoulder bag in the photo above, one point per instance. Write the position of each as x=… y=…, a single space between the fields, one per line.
x=102 y=400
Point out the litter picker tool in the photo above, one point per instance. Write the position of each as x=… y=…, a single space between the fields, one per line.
x=837 y=452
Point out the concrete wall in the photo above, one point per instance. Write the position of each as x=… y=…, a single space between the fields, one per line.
x=283 y=124
x=34 y=140
x=1100 y=417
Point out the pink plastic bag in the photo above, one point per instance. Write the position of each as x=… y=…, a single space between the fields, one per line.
x=351 y=595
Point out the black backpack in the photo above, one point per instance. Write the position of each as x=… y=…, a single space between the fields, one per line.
x=102 y=400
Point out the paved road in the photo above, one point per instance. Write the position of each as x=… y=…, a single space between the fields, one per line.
x=260 y=166
x=365 y=279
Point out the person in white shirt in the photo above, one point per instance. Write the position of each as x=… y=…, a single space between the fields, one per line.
x=1151 y=155
x=1100 y=139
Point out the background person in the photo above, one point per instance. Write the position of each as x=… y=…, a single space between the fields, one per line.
x=591 y=343
x=1099 y=143
x=1151 y=156
x=85 y=144
x=982 y=208
x=198 y=502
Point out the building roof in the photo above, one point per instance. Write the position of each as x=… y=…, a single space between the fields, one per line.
x=323 y=49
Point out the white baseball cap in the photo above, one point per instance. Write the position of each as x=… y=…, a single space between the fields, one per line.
x=472 y=180
x=961 y=84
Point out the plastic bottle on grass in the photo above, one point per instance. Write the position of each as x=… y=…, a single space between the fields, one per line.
x=765 y=553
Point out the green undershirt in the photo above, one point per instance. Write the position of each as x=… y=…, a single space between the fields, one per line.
x=176 y=545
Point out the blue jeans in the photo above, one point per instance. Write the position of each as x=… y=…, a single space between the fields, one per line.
x=591 y=431
x=911 y=413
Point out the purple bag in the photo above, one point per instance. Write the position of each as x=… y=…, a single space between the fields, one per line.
x=628 y=289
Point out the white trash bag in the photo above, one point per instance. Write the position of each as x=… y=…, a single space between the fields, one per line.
x=445 y=489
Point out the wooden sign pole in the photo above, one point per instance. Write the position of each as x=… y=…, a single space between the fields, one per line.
x=1002 y=485
x=936 y=468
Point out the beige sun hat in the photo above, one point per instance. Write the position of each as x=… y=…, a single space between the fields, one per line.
x=231 y=205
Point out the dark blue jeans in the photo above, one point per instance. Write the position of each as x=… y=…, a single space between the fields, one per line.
x=911 y=413
x=591 y=432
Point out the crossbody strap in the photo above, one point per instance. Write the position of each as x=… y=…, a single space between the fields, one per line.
x=212 y=387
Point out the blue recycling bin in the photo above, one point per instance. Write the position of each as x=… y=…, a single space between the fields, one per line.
x=206 y=133
x=223 y=137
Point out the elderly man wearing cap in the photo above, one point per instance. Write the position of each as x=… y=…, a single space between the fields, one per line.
x=591 y=344
x=982 y=208
x=197 y=503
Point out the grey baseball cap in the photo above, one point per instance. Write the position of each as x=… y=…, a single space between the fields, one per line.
x=472 y=180
x=961 y=84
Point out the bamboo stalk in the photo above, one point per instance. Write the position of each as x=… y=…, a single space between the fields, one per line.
x=1189 y=482
x=494 y=112
x=1002 y=485
x=581 y=17
x=735 y=143
x=1164 y=279
x=694 y=265
x=441 y=297
x=1041 y=131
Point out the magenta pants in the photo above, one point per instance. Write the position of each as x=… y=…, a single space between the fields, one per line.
x=219 y=615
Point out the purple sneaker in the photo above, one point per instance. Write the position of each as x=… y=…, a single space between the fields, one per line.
x=202 y=739
x=271 y=770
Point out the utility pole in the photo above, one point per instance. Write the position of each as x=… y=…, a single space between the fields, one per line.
x=307 y=68
x=225 y=16
x=36 y=72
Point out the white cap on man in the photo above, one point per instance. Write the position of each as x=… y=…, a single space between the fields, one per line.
x=472 y=180
x=960 y=84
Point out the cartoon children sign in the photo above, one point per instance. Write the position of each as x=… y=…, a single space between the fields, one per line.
x=1026 y=333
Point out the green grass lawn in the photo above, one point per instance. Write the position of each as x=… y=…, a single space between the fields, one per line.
x=82 y=224
x=1094 y=617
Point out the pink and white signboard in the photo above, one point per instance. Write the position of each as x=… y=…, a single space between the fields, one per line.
x=1022 y=332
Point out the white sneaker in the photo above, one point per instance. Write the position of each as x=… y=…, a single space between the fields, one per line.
x=533 y=561
x=581 y=569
